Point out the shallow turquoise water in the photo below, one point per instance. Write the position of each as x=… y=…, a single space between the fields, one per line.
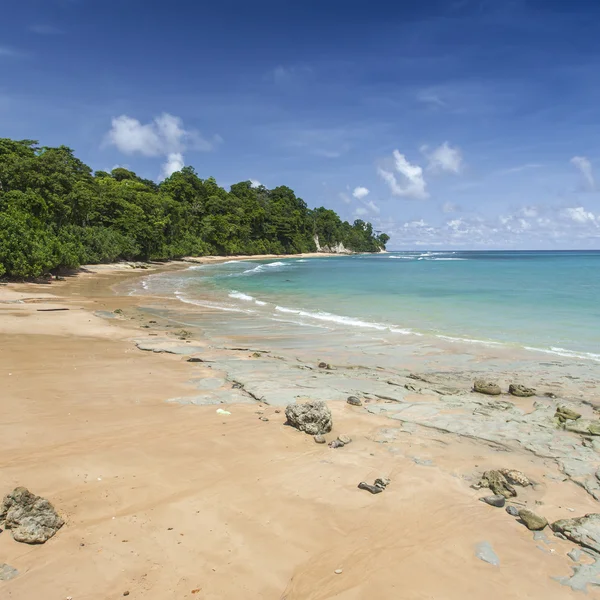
x=542 y=300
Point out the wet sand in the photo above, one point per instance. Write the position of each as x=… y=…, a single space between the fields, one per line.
x=173 y=500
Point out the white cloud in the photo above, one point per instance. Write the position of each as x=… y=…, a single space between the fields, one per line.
x=360 y=192
x=372 y=207
x=165 y=136
x=360 y=212
x=529 y=211
x=412 y=185
x=345 y=198
x=585 y=166
x=173 y=164
x=255 y=183
x=444 y=158
x=581 y=215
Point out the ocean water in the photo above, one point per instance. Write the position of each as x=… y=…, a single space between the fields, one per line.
x=541 y=301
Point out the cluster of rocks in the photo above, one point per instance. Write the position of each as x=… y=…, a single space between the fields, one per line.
x=378 y=486
x=312 y=417
x=30 y=518
x=571 y=420
x=490 y=388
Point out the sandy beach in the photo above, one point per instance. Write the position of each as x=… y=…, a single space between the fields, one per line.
x=171 y=499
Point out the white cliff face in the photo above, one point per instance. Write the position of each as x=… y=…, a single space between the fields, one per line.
x=335 y=249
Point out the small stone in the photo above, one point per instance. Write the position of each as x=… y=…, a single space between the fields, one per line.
x=336 y=444
x=516 y=389
x=495 y=500
x=277 y=410
x=320 y=439
x=490 y=388
x=354 y=401
x=264 y=419
x=594 y=428
x=324 y=365
x=193 y=359
x=374 y=489
x=345 y=439
x=513 y=511
x=532 y=521
x=125 y=593
x=382 y=482
x=550 y=395
x=338 y=571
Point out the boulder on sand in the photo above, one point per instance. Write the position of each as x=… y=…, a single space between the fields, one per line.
x=31 y=519
x=566 y=414
x=312 y=417
x=516 y=389
x=495 y=481
x=515 y=477
x=490 y=388
x=532 y=521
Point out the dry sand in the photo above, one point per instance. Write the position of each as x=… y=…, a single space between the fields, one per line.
x=166 y=501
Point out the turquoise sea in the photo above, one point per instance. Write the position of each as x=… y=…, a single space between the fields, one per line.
x=547 y=301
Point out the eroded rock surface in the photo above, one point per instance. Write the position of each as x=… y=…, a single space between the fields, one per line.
x=313 y=418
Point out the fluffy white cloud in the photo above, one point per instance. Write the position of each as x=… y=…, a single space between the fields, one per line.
x=444 y=158
x=581 y=215
x=165 y=136
x=173 y=164
x=360 y=192
x=412 y=183
x=585 y=166
x=255 y=183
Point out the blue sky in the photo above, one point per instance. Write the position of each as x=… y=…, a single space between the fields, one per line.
x=448 y=124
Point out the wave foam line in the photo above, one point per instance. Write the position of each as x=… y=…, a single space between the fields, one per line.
x=207 y=304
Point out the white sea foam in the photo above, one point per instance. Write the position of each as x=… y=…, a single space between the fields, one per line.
x=443 y=258
x=567 y=353
x=207 y=304
x=261 y=268
x=241 y=296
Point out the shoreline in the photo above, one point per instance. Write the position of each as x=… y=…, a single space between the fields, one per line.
x=86 y=423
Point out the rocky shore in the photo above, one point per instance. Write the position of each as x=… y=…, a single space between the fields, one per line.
x=183 y=464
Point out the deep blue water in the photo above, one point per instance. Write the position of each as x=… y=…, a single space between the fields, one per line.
x=543 y=300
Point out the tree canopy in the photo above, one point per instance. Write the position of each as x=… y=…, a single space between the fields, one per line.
x=55 y=212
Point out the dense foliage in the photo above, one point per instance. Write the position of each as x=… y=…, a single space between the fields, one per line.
x=56 y=213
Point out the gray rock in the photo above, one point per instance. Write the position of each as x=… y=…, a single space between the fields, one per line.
x=31 y=519
x=7 y=572
x=513 y=511
x=582 y=530
x=336 y=444
x=516 y=389
x=490 y=388
x=374 y=489
x=345 y=439
x=495 y=500
x=354 y=401
x=574 y=555
x=485 y=552
x=320 y=439
x=311 y=417
x=532 y=521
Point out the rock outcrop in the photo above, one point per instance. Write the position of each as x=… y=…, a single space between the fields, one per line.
x=564 y=414
x=313 y=418
x=31 y=519
x=581 y=530
x=515 y=477
x=486 y=387
x=516 y=389
x=495 y=481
